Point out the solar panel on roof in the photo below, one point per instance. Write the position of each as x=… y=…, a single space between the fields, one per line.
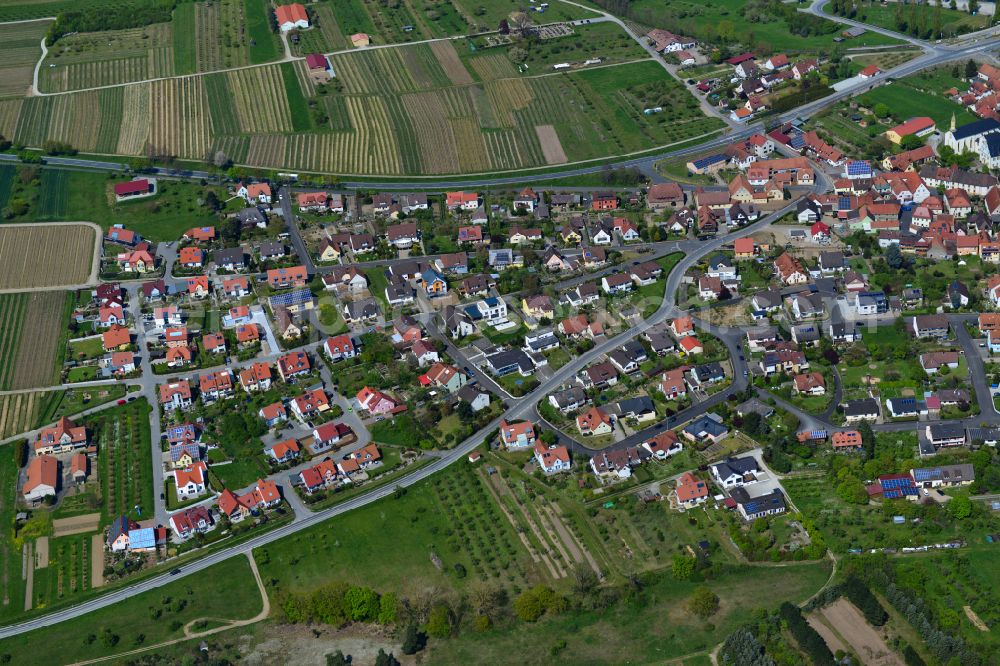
x=291 y=298
x=923 y=474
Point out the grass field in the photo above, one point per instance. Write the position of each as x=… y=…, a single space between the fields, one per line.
x=400 y=112
x=12 y=601
x=953 y=22
x=225 y=591
x=30 y=357
x=921 y=94
x=125 y=459
x=19 y=46
x=264 y=46
x=70 y=195
x=66 y=252
x=723 y=21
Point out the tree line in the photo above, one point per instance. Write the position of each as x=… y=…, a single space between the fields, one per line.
x=129 y=14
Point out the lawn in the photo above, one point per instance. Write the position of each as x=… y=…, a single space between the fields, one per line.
x=82 y=374
x=402 y=430
x=226 y=591
x=238 y=473
x=86 y=349
x=917 y=96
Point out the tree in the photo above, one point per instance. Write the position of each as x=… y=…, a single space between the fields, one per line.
x=413 y=640
x=960 y=507
x=108 y=639
x=439 y=621
x=971 y=70
x=528 y=606
x=464 y=411
x=881 y=110
x=703 y=602
x=683 y=567
x=911 y=142
x=387 y=608
x=383 y=659
x=867 y=439
x=893 y=257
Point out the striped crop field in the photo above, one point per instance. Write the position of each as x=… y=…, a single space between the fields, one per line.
x=180 y=122
x=133 y=135
x=10 y=109
x=67 y=250
x=447 y=58
x=31 y=327
x=20 y=49
x=324 y=36
x=393 y=111
x=76 y=119
x=19 y=412
x=260 y=100
x=492 y=66
x=88 y=60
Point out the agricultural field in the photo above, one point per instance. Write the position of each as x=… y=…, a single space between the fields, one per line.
x=32 y=330
x=409 y=110
x=210 y=36
x=21 y=412
x=20 y=50
x=95 y=59
x=41 y=256
x=125 y=459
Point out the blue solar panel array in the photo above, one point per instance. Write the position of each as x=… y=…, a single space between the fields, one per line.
x=896 y=488
x=858 y=168
x=297 y=297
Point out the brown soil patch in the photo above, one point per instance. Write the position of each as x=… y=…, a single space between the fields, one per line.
x=28 y=573
x=975 y=619
x=448 y=58
x=89 y=522
x=42 y=552
x=551 y=146
x=295 y=644
x=831 y=639
x=97 y=561
x=848 y=623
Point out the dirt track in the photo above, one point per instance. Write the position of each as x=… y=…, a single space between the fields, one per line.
x=42 y=552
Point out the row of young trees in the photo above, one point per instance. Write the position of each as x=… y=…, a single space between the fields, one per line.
x=808 y=638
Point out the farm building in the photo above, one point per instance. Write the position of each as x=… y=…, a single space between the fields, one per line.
x=291 y=17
